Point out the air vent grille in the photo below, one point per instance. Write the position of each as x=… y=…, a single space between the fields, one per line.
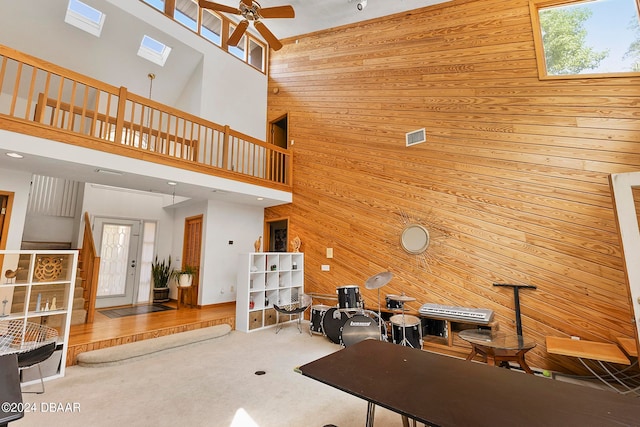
x=416 y=137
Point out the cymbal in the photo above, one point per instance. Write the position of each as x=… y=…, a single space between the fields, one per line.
x=402 y=298
x=379 y=280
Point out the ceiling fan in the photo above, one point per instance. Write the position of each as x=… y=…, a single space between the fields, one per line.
x=250 y=10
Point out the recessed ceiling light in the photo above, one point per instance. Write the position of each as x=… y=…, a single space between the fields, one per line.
x=260 y=198
x=171 y=183
x=15 y=155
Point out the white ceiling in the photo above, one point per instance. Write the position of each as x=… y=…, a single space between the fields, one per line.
x=316 y=15
x=37 y=27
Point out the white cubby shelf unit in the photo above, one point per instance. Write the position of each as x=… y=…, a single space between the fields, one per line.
x=37 y=289
x=264 y=279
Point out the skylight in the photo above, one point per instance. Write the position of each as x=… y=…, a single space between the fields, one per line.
x=85 y=17
x=153 y=50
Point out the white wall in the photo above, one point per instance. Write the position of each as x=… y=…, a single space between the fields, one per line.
x=18 y=183
x=224 y=222
x=232 y=92
x=43 y=228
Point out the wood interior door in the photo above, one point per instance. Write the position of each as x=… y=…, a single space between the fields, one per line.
x=192 y=249
x=6 y=199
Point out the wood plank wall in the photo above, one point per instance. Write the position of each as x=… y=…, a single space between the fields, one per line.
x=512 y=180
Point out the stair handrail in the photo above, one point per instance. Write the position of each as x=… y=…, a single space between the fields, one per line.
x=90 y=269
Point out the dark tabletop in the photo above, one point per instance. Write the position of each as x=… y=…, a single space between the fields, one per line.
x=444 y=391
x=10 y=393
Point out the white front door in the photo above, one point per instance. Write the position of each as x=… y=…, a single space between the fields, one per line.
x=118 y=241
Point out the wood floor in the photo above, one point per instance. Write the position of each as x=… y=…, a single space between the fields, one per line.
x=106 y=332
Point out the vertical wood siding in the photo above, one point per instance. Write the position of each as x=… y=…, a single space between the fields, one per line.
x=512 y=178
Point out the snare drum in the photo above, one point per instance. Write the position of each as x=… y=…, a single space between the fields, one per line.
x=332 y=321
x=317 y=311
x=406 y=330
x=349 y=297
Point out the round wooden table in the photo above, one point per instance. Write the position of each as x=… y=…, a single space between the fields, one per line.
x=498 y=347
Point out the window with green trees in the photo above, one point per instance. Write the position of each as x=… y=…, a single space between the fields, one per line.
x=586 y=38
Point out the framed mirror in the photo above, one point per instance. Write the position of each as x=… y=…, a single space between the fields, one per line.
x=414 y=239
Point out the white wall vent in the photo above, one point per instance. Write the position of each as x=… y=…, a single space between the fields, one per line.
x=416 y=137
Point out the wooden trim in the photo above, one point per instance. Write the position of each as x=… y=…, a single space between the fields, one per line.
x=4 y=232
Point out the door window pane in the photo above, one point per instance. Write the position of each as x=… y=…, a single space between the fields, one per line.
x=113 y=260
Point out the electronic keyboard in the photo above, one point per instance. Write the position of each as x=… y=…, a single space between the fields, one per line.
x=479 y=315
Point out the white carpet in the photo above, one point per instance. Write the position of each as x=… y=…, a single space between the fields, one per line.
x=211 y=383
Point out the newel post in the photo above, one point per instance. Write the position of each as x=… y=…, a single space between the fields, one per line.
x=225 y=147
x=122 y=105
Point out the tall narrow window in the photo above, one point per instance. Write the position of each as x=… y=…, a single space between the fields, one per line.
x=186 y=13
x=586 y=38
x=211 y=27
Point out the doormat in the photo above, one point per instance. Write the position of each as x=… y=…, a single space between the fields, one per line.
x=132 y=311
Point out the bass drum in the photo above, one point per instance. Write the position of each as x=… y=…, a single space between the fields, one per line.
x=332 y=321
x=359 y=328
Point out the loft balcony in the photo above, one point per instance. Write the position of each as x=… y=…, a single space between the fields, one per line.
x=47 y=101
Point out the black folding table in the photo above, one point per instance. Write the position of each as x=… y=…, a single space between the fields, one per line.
x=443 y=391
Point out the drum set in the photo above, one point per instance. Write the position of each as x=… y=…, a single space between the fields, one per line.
x=350 y=322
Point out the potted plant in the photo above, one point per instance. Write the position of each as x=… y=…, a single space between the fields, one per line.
x=161 y=273
x=184 y=277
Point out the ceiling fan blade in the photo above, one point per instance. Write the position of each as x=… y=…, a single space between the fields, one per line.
x=277 y=12
x=247 y=3
x=274 y=43
x=218 y=7
x=238 y=33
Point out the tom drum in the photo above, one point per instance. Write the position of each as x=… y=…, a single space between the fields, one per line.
x=349 y=297
x=317 y=311
x=394 y=304
x=406 y=330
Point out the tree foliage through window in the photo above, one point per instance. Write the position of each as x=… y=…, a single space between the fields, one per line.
x=564 y=38
x=582 y=37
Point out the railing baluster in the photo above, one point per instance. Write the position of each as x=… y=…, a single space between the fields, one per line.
x=85 y=100
x=3 y=70
x=16 y=90
x=32 y=85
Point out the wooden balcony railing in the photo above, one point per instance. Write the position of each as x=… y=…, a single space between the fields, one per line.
x=65 y=106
